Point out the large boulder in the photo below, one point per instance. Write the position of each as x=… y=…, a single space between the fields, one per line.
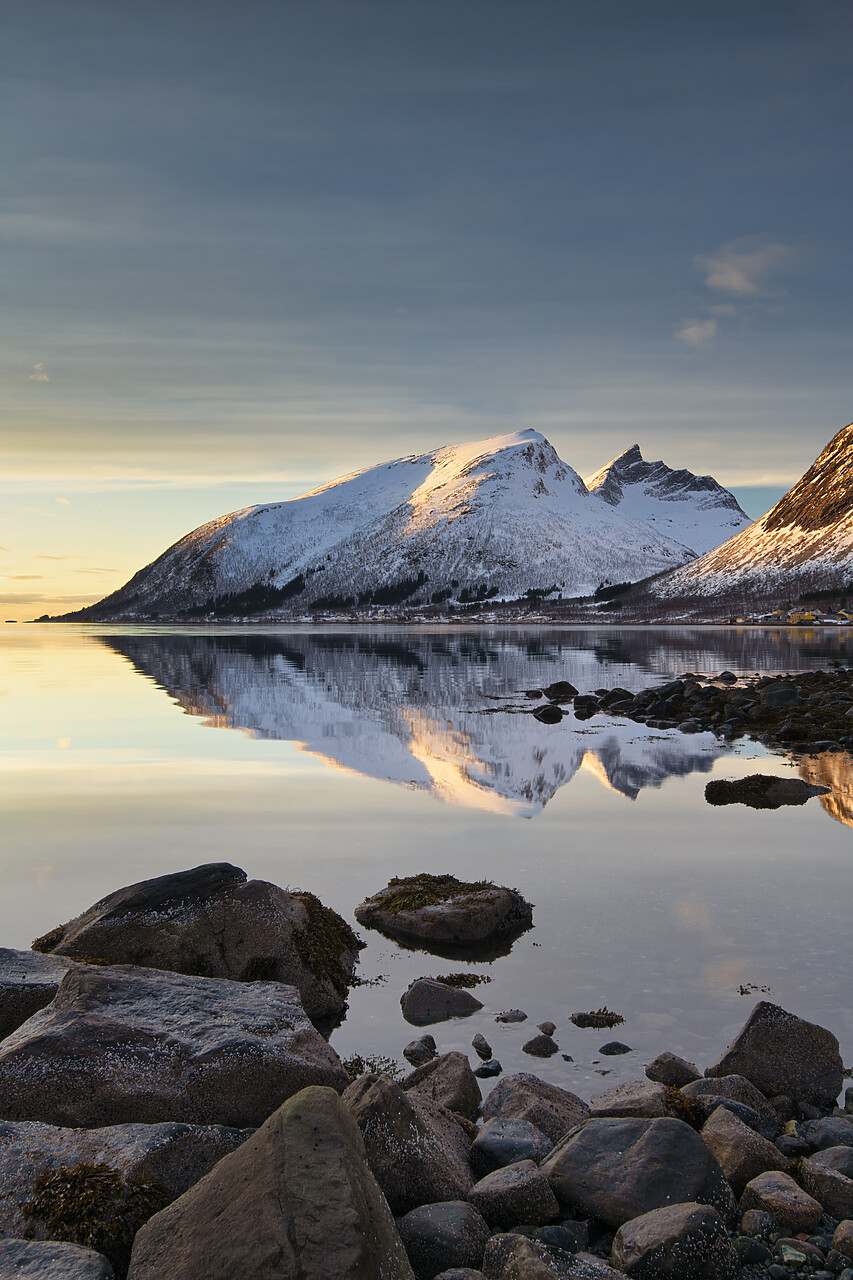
x=426 y=1001
x=641 y=1099
x=449 y=1081
x=525 y=1097
x=779 y=1195
x=828 y=1176
x=519 y=1193
x=678 y=1242
x=38 y=1260
x=440 y=1236
x=669 y=1069
x=829 y=1131
x=616 y=1170
x=28 y=981
x=416 y=1149
x=783 y=1054
x=441 y=909
x=741 y=1153
x=295 y=1202
x=724 y=1089
x=175 y=1156
x=502 y=1142
x=212 y=922
x=123 y=1045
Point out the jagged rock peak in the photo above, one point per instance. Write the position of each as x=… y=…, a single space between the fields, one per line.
x=824 y=495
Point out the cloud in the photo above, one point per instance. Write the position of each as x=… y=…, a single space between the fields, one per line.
x=743 y=267
x=77 y=557
x=24 y=577
x=723 y=309
x=696 y=332
x=38 y=374
x=65 y=501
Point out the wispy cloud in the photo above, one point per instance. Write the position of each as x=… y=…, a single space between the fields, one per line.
x=65 y=501
x=77 y=557
x=696 y=332
x=38 y=374
x=745 y=267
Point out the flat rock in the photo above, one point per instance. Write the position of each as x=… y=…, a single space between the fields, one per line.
x=28 y=982
x=616 y=1170
x=212 y=922
x=427 y=1001
x=295 y=1202
x=453 y=911
x=828 y=1176
x=514 y=1194
x=669 y=1069
x=778 y=1193
x=735 y=1088
x=741 y=1153
x=449 y=1081
x=174 y=1155
x=525 y=1097
x=40 y=1260
x=783 y=1054
x=503 y=1142
x=678 y=1242
x=641 y=1099
x=442 y=1236
x=416 y=1149
x=124 y=1045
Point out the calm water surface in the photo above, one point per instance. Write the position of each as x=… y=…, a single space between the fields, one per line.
x=333 y=760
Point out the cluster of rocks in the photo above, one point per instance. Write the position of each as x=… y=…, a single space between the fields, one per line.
x=423 y=1050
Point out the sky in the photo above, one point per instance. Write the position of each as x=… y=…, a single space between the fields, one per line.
x=249 y=247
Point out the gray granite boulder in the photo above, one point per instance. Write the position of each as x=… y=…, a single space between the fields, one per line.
x=419 y=1051
x=440 y=1236
x=741 y=1153
x=41 y=1260
x=444 y=910
x=212 y=922
x=123 y=1045
x=714 y=1092
x=525 y=1097
x=641 y=1099
x=829 y=1131
x=427 y=1001
x=678 y=1242
x=295 y=1202
x=828 y=1176
x=416 y=1149
x=516 y=1194
x=783 y=1054
x=502 y=1142
x=28 y=981
x=779 y=1195
x=616 y=1170
x=448 y=1080
x=669 y=1069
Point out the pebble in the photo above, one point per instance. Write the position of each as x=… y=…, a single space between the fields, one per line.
x=481 y=1047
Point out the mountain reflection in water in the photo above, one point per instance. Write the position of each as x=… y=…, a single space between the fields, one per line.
x=424 y=711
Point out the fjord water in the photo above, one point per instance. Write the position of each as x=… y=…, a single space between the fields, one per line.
x=331 y=760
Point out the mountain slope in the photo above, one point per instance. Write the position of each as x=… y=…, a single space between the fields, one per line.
x=805 y=541
x=694 y=509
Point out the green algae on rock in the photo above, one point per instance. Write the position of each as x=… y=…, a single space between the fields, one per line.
x=441 y=909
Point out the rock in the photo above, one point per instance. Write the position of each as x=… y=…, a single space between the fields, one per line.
x=751 y=1251
x=541 y=1046
x=829 y=1131
x=28 y=982
x=735 y=1089
x=516 y=1193
x=741 y=1154
x=417 y=1052
x=778 y=1193
x=547 y=1028
x=616 y=1170
x=511 y=1015
x=427 y=1001
x=614 y=1048
x=678 y=1242
x=439 y=1236
x=761 y=791
x=175 y=1156
x=416 y=1149
x=442 y=909
x=780 y=695
x=461 y=1273
x=669 y=1069
x=560 y=691
x=842 y=1240
x=549 y=714
x=525 y=1097
x=756 y=1223
x=519 y=1258
x=636 y=1098
x=123 y=1045
x=296 y=1200
x=214 y=923
x=488 y=1069
x=745 y=1114
x=40 y=1260
x=780 y=1053
x=828 y=1176
x=503 y=1142
x=449 y=1081
x=587 y=1266
x=481 y=1047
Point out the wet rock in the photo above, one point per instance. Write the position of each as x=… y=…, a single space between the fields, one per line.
x=442 y=909
x=28 y=982
x=782 y=1054
x=547 y=1028
x=511 y=1015
x=416 y=1149
x=212 y=922
x=449 y=1081
x=503 y=1142
x=678 y=1242
x=549 y=714
x=40 y=1260
x=488 y=1069
x=427 y=1002
x=842 y=1240
x=778 y=1193
x=756 y=1223
x=560 y=691
x=419 y=1051
x=541 y=1046
x=481 y=1047
x=516 y=1193
x=829 y=1131
x=441 y=1236
x=614 y=1048
x=461 y=1273
x=525 y=1097
x=741 y=1153
x=735 y=1088
x=123 y=1045
x=616 y=1170
x=636 y=1098
x=669 y=1069
x=751 y=1251
x=762 y=791
x=828 y=1176
x=296 y=1199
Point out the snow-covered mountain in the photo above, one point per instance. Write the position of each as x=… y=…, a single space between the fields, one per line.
x=805 y=541
x=693 y=509
x=493 y=517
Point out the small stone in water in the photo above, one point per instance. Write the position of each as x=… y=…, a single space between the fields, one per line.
x=614 y=1047
x=481 y=1047
x=511 y=1015
x=547 y=1028
x=541 y=1047
x=491 y=1068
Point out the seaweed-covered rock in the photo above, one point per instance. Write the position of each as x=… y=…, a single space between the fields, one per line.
x=38 y=1260
x=442 y=909
x=741 y=1153
x=28 y=981
x=677 y=1242
x=212 y=922
x=449 y=1081
x=762 y=791
x=778 y=1194
x=525 y=1097
x=783 y=1054
x=123 y=1045
x=426 y=1001
x=296 y=1200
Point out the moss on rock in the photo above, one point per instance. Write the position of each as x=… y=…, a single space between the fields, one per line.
x=326 y=943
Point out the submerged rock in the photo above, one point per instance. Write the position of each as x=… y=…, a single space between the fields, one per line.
x=442 y=909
